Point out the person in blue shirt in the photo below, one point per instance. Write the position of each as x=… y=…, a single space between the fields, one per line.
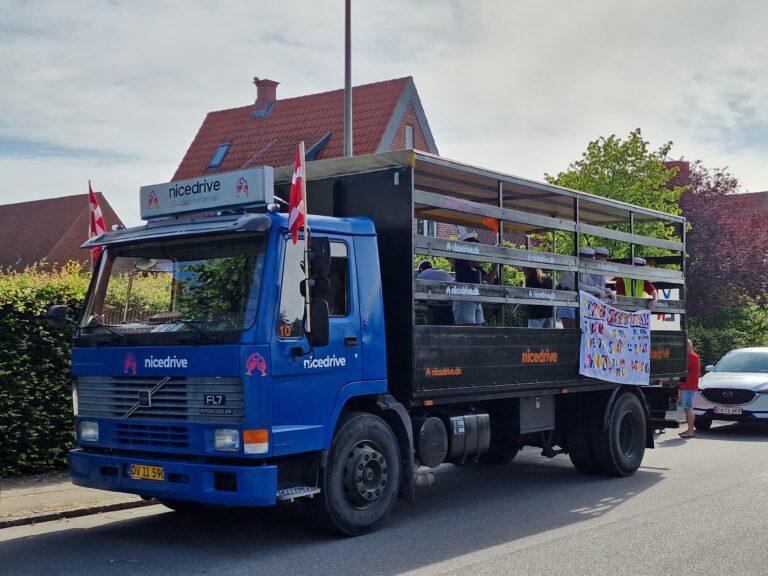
x=427 y=272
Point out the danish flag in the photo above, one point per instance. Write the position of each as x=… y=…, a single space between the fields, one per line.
x=296 y=208
x=97 y=226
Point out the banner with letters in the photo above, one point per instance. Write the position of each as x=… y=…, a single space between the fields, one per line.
x=615 y=345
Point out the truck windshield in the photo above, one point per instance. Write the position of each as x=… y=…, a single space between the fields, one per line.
x=203 y=286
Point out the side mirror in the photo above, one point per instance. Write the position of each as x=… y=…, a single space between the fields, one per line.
x=320 y=331
x=319 y=256
x=709 y=367
x=56 y=317
x=320 y=287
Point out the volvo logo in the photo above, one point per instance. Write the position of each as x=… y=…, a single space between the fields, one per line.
x=727 y=394
x=145 y=397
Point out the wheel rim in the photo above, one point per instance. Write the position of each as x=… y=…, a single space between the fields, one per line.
x=365 y=474
x=628 y=435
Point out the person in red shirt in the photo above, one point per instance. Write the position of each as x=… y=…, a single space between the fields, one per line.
x=688 y=389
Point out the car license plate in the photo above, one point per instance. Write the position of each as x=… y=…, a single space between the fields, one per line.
x=727 y=410
x=144 y=472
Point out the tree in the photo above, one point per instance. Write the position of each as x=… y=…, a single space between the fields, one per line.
x=727 y=242
x=630 y=171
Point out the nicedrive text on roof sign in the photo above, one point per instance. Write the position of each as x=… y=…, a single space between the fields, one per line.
x=240 y=189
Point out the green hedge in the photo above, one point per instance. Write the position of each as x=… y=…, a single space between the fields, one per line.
x=737 y=327
x=35 y=376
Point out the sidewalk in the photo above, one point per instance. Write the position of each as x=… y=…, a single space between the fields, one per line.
x=51 y=496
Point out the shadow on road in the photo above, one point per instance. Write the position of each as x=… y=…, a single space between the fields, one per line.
x=730 y=431
x=470 y=508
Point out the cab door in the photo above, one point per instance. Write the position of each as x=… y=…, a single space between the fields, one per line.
x=306 y=382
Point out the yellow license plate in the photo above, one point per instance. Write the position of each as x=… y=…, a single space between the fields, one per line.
x=143 y=472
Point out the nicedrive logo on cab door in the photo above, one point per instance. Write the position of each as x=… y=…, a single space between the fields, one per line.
x=325 y=362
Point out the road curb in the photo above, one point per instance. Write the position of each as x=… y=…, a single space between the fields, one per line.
x=74 y=513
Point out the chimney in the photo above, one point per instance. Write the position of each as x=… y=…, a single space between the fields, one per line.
x=266 y=92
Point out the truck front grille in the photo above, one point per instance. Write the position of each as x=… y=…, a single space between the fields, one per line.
x=217 y=400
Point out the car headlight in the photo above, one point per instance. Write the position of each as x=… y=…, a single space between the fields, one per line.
x=226 y=440
x=89 y=431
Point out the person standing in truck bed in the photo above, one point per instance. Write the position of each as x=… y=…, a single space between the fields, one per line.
x=427 y=272
x=539 y=316
x=637 y=288
x=470 y=272
x=568 y=315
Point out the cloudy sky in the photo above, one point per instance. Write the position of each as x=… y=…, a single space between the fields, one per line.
x=115 y=91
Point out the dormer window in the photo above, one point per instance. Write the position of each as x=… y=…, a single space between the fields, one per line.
x=218 y=156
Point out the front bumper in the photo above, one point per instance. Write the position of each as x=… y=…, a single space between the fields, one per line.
x=755 y=410
x=206 y=483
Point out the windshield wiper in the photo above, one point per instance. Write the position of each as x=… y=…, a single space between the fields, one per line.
x=194 y=324
x=95 y=321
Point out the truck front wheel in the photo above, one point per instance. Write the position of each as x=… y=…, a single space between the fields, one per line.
x=619 y=449
x=361 y=479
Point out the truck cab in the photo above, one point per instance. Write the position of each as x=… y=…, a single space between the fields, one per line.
x=192 y=342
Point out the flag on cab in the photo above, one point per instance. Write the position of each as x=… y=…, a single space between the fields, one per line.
x=97 y=226
x=296 y=209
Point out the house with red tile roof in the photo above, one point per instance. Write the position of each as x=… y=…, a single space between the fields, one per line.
x=386 y=116
x=50 y=230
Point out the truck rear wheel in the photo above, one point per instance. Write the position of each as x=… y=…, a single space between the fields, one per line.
x=361 y=479
x=619 y=449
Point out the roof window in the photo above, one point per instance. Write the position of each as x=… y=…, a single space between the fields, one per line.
x=218 y=156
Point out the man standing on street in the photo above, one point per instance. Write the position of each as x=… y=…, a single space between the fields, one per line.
x=689 y=388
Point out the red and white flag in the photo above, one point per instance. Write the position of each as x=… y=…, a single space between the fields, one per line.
x=296 y=207
x=97 y=226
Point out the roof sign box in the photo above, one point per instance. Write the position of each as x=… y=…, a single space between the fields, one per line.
x=240 y=189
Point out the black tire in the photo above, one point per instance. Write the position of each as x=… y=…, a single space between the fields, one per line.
x=702 y=424
x=499 y=455
x=361 y=479
x=580 y=453
x=619 y=449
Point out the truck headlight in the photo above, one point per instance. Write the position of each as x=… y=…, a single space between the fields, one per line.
x=89 y=431
x=226 y=440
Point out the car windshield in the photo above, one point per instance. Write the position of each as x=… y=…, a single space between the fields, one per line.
x=203 y=286
x=744 y=362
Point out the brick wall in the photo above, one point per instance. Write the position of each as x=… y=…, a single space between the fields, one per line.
x=419 y=142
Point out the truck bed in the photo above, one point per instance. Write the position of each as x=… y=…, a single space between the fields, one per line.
x=460 y=364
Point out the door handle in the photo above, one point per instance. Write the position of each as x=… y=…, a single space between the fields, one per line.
x=350 y=341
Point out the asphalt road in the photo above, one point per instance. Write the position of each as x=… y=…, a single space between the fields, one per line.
x=697 y=507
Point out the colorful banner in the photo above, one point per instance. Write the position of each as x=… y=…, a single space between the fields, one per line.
x=615 y=345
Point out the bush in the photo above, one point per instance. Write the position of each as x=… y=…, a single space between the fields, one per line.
x=35 y=368
x=735 y=327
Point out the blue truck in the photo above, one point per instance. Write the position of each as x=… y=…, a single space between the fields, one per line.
x=196 y=382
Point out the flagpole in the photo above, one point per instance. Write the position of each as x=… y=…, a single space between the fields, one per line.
x=88 y=235
x=306 y=238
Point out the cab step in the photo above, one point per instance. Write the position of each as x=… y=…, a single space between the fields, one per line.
x=297 y=492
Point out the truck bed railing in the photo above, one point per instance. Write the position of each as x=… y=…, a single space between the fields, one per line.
x=436 y=291
x=456 y=250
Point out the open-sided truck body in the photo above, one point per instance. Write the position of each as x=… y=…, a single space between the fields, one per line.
x=259 y=416
x=425 y=187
